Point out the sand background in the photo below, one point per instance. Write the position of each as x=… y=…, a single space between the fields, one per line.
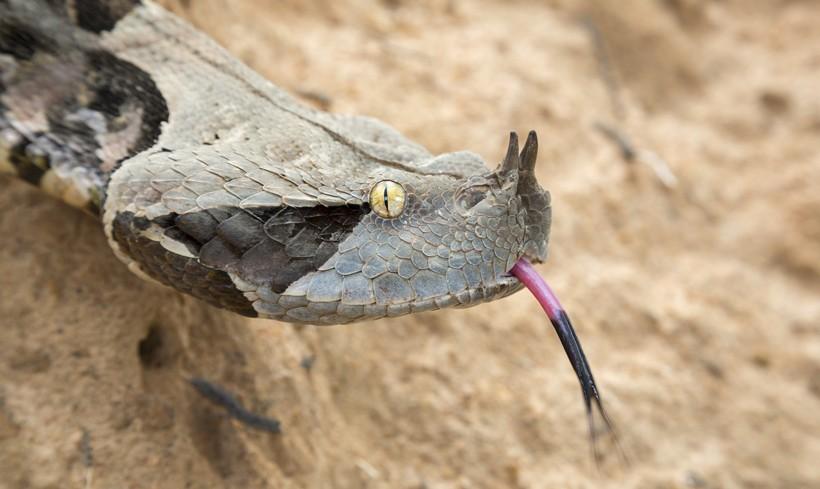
x=698 y=305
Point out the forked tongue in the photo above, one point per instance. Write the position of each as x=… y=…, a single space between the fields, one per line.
x=525 y=272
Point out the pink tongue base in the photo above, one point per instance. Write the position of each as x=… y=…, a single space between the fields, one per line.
x=525 y=272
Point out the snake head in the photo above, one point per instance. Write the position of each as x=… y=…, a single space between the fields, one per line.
x=305 y=241
x=454 y=243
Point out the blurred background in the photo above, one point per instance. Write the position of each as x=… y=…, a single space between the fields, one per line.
x=679 y=140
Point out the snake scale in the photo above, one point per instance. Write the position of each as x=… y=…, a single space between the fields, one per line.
x=211 y=180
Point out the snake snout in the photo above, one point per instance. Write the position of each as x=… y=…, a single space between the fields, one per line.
x=519 y=167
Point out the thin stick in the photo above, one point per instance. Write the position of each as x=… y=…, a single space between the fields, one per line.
x=233 y=407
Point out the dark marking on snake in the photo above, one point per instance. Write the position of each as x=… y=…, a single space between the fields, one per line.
x=19 y=41
x=99 y=109
x=188 y=274
x=267 y=247
x=233 y=407
x=271 y=247
x=116 y=84
x=27 y=166
x=101 y=15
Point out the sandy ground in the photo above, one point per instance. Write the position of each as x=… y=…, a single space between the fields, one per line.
x=698 y=305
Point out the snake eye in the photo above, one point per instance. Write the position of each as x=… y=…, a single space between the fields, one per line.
x=387 y=199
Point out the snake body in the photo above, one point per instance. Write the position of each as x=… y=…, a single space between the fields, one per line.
x=210 y=179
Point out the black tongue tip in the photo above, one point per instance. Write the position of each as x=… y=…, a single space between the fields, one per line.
x=600 y=425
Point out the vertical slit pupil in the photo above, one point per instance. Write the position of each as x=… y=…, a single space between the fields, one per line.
x=386 y=205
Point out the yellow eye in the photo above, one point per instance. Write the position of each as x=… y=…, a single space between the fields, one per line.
x=387 y=199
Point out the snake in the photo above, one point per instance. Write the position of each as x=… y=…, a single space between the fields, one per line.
x=208 y=178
